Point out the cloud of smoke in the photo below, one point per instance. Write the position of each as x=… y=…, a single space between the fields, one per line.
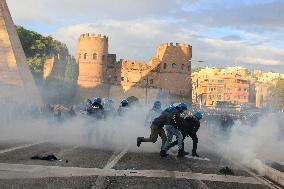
x=249 y=144
x=19 y=123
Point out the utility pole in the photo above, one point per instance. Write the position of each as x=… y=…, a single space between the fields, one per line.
x=146 y=86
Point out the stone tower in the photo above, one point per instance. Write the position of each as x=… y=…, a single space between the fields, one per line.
x=175 y=70
x=16 y=80
x=92 y=53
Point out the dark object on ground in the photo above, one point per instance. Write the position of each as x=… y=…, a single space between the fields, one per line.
x=45 y=157
x=66 y=161
x=226 y=171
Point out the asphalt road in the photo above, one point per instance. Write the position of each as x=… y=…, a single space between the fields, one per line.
x=88 y=167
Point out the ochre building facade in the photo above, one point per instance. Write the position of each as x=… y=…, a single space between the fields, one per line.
x=166 y=76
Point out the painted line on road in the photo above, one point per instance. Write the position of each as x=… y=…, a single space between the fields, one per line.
x=111 y=164
x=113 y=160
x=201 y=184
x=21 y=171
x=18 y=147
x=270 y=173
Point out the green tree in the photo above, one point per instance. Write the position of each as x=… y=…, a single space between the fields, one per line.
x=37 y=47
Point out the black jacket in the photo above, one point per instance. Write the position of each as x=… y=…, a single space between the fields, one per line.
x=161 y=120
x=190 y=125
x=174 y=118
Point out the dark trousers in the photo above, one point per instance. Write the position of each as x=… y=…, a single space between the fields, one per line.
x=194 y=138
x=155 y=132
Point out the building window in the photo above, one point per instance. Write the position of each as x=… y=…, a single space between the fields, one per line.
x=174 y=66
x=228 y=97
x=95 y=56
x=182 y=67
x=219 y=97
x=122 y=78
x=165 y=66
x=115 y=78
x=188 y=68
x=151 y=81
x=220 y=81
x=86 y=56
x=228 y=90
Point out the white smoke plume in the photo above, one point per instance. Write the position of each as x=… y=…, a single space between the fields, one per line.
x=112 y=134
x=248 y=144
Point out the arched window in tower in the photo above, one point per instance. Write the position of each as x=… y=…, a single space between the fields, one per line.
x=174 y=66
x=182 y=67
x=86 y=56
x=95 y=56
x=165 y=66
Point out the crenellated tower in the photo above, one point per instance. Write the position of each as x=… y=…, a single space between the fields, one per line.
x=92 y=53
x=175 y=70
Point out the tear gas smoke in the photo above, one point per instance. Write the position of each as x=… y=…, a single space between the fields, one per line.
x=19 y=124
x=248 y=144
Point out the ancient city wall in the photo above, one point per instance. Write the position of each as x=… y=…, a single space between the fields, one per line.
x=54 y=67
x=167 y=76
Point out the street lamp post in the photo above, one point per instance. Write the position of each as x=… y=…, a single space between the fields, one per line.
x=146 y=81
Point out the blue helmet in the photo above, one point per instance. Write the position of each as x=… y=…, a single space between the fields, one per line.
x=157 y=103
x=124 y=102
x=182 y=106
x=98 y=100
x=198 y=115
x=170 y=108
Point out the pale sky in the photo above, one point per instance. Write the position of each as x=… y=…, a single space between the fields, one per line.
x=222 y=32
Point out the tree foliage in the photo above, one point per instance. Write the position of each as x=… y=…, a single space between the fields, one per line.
x=37 y=47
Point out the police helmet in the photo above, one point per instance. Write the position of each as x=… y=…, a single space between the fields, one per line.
x=124 y=102
x=198 y=115
x=98 y=100
x=157 y=103
x=182 y=106
x=170 y=108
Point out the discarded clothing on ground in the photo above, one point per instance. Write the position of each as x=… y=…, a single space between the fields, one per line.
x=226 y=171
x=45 y=157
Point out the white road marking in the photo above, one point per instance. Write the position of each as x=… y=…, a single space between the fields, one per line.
x=116 y=159
x=201 y=184
x=271 y=173
x=18 y=147
x=113 y=160
x=17 y=171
